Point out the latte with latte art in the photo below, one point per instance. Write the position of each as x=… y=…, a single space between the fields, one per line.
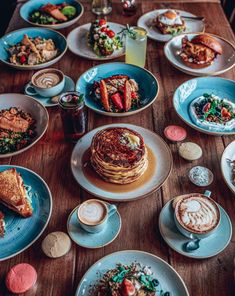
x=197 y=214
x=47 y=79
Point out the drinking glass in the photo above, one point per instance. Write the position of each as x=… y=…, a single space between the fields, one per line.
x=136 y=44
x=101 y=7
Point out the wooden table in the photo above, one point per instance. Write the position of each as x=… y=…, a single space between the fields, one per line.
x=50 y=158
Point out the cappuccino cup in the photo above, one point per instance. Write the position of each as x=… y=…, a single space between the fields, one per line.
x=93 y=215
x=197 y=215
x=46 y=83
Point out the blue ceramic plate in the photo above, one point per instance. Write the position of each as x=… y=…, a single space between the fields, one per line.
x=209 y=247
x=69 y=86
x=194 y=88
x=169 y=279
x=33 y=5
x=93 y=240
x=16 y=36
x=148 y=85
x=23 y=232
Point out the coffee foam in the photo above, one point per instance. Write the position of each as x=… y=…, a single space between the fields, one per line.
x=92 y=212
x=47 y=79
x=197 y=214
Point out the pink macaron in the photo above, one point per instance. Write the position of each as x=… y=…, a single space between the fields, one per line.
x=175 y=133
x=21 y=278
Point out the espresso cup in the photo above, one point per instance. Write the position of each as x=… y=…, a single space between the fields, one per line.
x=196 y=215
x=46 y=83
x=93 y=215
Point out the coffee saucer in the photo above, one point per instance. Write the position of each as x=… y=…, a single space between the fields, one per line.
x=46 y=101
x=209 y=247
x=93 y=240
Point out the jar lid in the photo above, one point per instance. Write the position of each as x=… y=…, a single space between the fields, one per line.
x=71 y=99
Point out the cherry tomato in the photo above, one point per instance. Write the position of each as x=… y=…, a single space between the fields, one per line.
x=128 y=289
x=111 y=34
x=104 y=29
x=22 y=59
x=102 y=22
x=206 y=108
x=133 y=95
x=225 y=113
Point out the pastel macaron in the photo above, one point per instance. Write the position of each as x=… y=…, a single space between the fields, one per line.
x=190 y=151
x=21 y=278
x=175 y=133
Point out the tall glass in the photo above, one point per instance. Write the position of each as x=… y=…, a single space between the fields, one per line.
x=101 y=7
x=136 y=44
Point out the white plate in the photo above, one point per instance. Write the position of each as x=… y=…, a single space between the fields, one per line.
x=168 y=278
x=78 y=43
x=221 y=64
x=30 y=105
x=160 y=174
x=226 y=168
x=146 y=20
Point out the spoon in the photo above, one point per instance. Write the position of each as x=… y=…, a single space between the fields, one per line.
x=192 y=245
x=193 y=18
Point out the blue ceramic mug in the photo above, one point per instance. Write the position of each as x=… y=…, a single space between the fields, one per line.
x=93 y=215
x=190 y=233
x=46 y=83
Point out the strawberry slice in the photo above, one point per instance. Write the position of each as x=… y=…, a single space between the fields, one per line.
x=206 y=108
x=127 y=95
x=104 y=95
x=128 y=289
x=225 y=113
x=117 y=100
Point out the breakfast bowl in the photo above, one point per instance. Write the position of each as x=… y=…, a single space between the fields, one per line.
x=49 y=45
x=144 y=89
x=31 y=13
x=12 y=142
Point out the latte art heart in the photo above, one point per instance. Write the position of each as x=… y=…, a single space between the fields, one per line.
x=47 y=79
x=197 y=214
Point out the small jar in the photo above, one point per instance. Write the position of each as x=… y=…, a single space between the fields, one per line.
x=73 y=115
x=129 y=7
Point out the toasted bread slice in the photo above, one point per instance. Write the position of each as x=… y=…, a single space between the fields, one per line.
x=2 y=224
x=13 y=193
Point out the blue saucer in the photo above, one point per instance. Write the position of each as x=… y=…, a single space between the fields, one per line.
x=209 y=247
x=20 y=233
x=96 y=240
x=69 y=86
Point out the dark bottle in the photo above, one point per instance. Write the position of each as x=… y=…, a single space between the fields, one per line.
x=73 y=115
x=129 y=7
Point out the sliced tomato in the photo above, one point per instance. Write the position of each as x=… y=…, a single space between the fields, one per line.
x=206 y=108
x=127 y=95
x=128 y=289
x=104 y=95
x=22 y=59
x=225 y=113
x=111 y=34
x=134 y=95
x=104 y=29
x=102 y=22
x=117 y=100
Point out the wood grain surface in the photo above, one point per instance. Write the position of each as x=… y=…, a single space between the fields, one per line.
x=50 y=158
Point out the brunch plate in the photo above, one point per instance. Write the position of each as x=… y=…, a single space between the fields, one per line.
x=159 y=169
x=33 y=5
x=29 y=105
x=226 y=168
x=93 y=240
x=168 y=278
x=146 y=22
x=20 y=233
x=194 y=88
x=46 y=101
x=221 y=64
x=209 y=247
x=78 y=43
x=14 y=37
x=147 y=90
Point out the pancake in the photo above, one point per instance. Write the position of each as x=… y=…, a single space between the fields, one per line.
x=119 y=155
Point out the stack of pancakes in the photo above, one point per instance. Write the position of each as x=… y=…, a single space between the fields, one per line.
x=119 y=155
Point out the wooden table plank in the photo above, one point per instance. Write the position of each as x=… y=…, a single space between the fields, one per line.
x=51 y=159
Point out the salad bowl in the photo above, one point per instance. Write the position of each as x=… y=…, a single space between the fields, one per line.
x=190 y=90
x=14 y=37
x=34 y=5
x=148 y=86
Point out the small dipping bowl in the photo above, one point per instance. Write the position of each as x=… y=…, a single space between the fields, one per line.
x=201 y=176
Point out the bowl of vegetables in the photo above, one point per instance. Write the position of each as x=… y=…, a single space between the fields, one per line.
x=56 y=14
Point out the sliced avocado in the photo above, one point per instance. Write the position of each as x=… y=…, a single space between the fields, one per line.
x=69 y=11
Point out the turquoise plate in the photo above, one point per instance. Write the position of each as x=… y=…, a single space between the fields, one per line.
x=148 y=85
x=69 y=86
x=209 y=247
x=33 y=5
x=93 y=240
x=169 y=279
x=191 y=89
x=20 y=233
